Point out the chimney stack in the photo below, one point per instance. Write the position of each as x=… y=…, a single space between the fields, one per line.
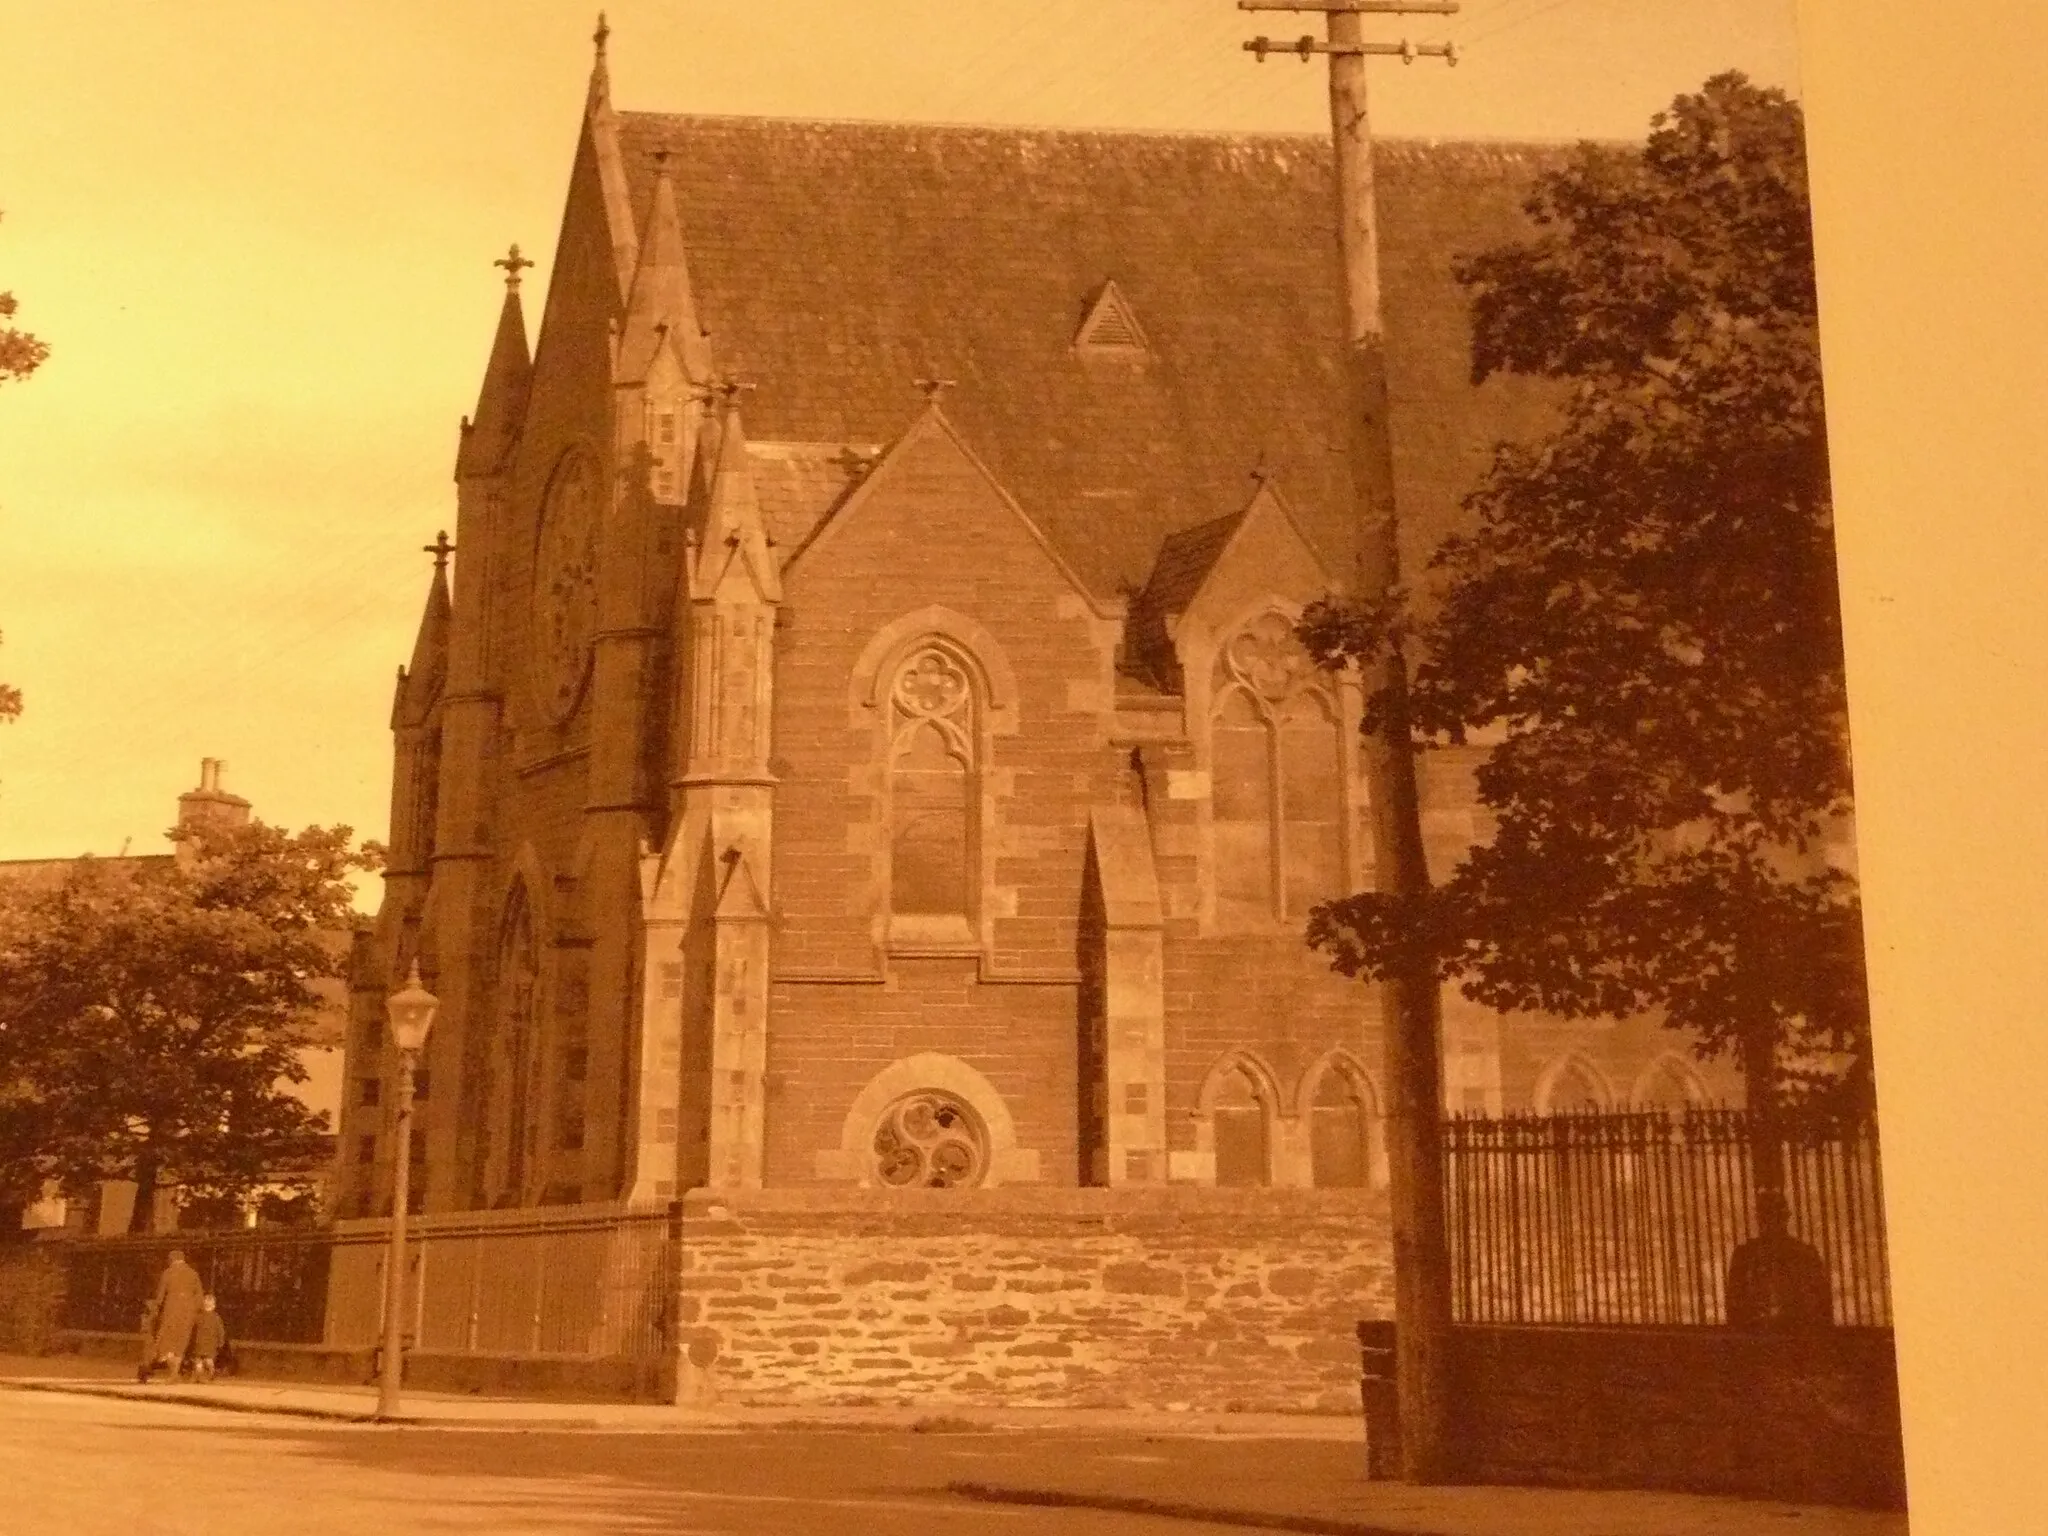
x=209 y=805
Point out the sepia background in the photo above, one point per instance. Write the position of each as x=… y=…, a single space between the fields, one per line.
x=259 y=239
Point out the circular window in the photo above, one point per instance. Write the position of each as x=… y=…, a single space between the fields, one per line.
x=931 y=1140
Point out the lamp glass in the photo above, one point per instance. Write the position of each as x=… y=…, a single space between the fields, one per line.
x=412 y=1012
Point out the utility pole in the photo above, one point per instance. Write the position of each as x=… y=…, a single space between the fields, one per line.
x=1411 y=1010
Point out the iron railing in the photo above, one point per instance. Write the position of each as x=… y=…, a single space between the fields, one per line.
x=1630 y=1217
x=270 y=1285
x=585 y=1281
x=578 y=1281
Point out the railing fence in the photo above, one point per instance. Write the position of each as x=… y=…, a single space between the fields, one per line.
x=1630 y=1217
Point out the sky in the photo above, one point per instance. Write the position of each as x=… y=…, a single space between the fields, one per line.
x=258 y=239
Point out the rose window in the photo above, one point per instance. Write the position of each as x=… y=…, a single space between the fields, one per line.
x=930 y=1140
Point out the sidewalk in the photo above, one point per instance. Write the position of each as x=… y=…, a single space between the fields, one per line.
x=1282 y=1484
x=80 y=1376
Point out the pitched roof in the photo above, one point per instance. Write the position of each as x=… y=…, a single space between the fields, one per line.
x=835 y=263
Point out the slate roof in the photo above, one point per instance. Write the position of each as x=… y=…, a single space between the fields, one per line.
x=835 y=263
x=796 y=484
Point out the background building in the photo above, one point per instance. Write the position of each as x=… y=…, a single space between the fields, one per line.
x=109 y=1211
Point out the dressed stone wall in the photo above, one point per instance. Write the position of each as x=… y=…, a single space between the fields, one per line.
x=1211 y=1299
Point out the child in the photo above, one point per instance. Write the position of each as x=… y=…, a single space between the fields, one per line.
x=209 y=1333
x=142 y=1370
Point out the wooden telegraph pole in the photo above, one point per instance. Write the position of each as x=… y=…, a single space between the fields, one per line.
x=1410 y=1007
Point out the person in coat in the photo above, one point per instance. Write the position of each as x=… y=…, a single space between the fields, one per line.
x=1776 y=1281
x=209 y=1333
x=178 y=1295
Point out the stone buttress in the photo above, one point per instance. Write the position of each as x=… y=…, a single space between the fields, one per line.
x=705 y=915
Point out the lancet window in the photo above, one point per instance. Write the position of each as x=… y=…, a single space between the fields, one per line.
x=1276 y=770
x=1340 y=1125
x=1238 y=1113
x=513 y=1056
x=932 y=786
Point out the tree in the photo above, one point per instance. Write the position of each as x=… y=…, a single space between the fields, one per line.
x=20 y=355
x=1644 y=611
x=151 y=1014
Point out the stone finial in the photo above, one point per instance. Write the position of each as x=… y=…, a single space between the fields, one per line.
x=600 y=73
x=514 y=264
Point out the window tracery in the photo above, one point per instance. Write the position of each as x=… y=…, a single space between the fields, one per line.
x=932 y=764
x=930 y=1139
x=1277 y=808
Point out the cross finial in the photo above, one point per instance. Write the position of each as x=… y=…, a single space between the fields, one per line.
x=933 y=388
x=602 y=34
x=440 y=549
x=514 y=264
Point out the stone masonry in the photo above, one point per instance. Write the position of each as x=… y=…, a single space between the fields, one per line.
x=1158 y=1298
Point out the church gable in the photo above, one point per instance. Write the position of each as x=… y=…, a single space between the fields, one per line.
x=559 y=489
x=1212 y=577
x=928 y=480
x=1267 y=555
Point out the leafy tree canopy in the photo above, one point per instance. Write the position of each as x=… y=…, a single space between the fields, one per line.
x=152 y=1012
x=20 y=355
x=1644 y=618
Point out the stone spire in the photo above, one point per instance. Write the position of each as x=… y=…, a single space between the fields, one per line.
x=501 y=403
x=599 y=97
x=601 y=130
x=661 y=308
x=421 y=682
x=734 y=540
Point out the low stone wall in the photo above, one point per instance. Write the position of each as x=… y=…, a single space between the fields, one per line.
x=1810 y=1417
x=1208 y=1299
x=31 y=1297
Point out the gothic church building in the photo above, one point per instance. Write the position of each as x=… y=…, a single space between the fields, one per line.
x=862 y=742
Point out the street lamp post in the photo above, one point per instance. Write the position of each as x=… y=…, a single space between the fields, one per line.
x=412 y=1015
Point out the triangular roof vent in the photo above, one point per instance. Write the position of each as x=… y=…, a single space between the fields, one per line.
x=1110 y=326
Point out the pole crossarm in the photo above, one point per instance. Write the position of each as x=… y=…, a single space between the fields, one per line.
x=1357 y=7
x=1308 y=47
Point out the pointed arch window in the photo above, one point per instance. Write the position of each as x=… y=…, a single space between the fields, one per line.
x=1571 y=1086
x=1243 y=1151
x=1668 y=1083
x=933 y=762
x=1342 y=1133
x=1277 y=810
x=510 y=1134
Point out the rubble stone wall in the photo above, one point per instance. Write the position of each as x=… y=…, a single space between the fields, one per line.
x=1208 y=1299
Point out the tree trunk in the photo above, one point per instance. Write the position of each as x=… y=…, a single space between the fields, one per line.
x=1766 y=1132
x=139 y=1223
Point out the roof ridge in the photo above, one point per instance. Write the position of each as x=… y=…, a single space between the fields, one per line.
x=1101 y=131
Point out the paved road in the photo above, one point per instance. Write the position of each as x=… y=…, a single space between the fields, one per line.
x=76 y=1466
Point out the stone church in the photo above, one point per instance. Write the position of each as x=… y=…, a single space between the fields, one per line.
x=862 y=743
